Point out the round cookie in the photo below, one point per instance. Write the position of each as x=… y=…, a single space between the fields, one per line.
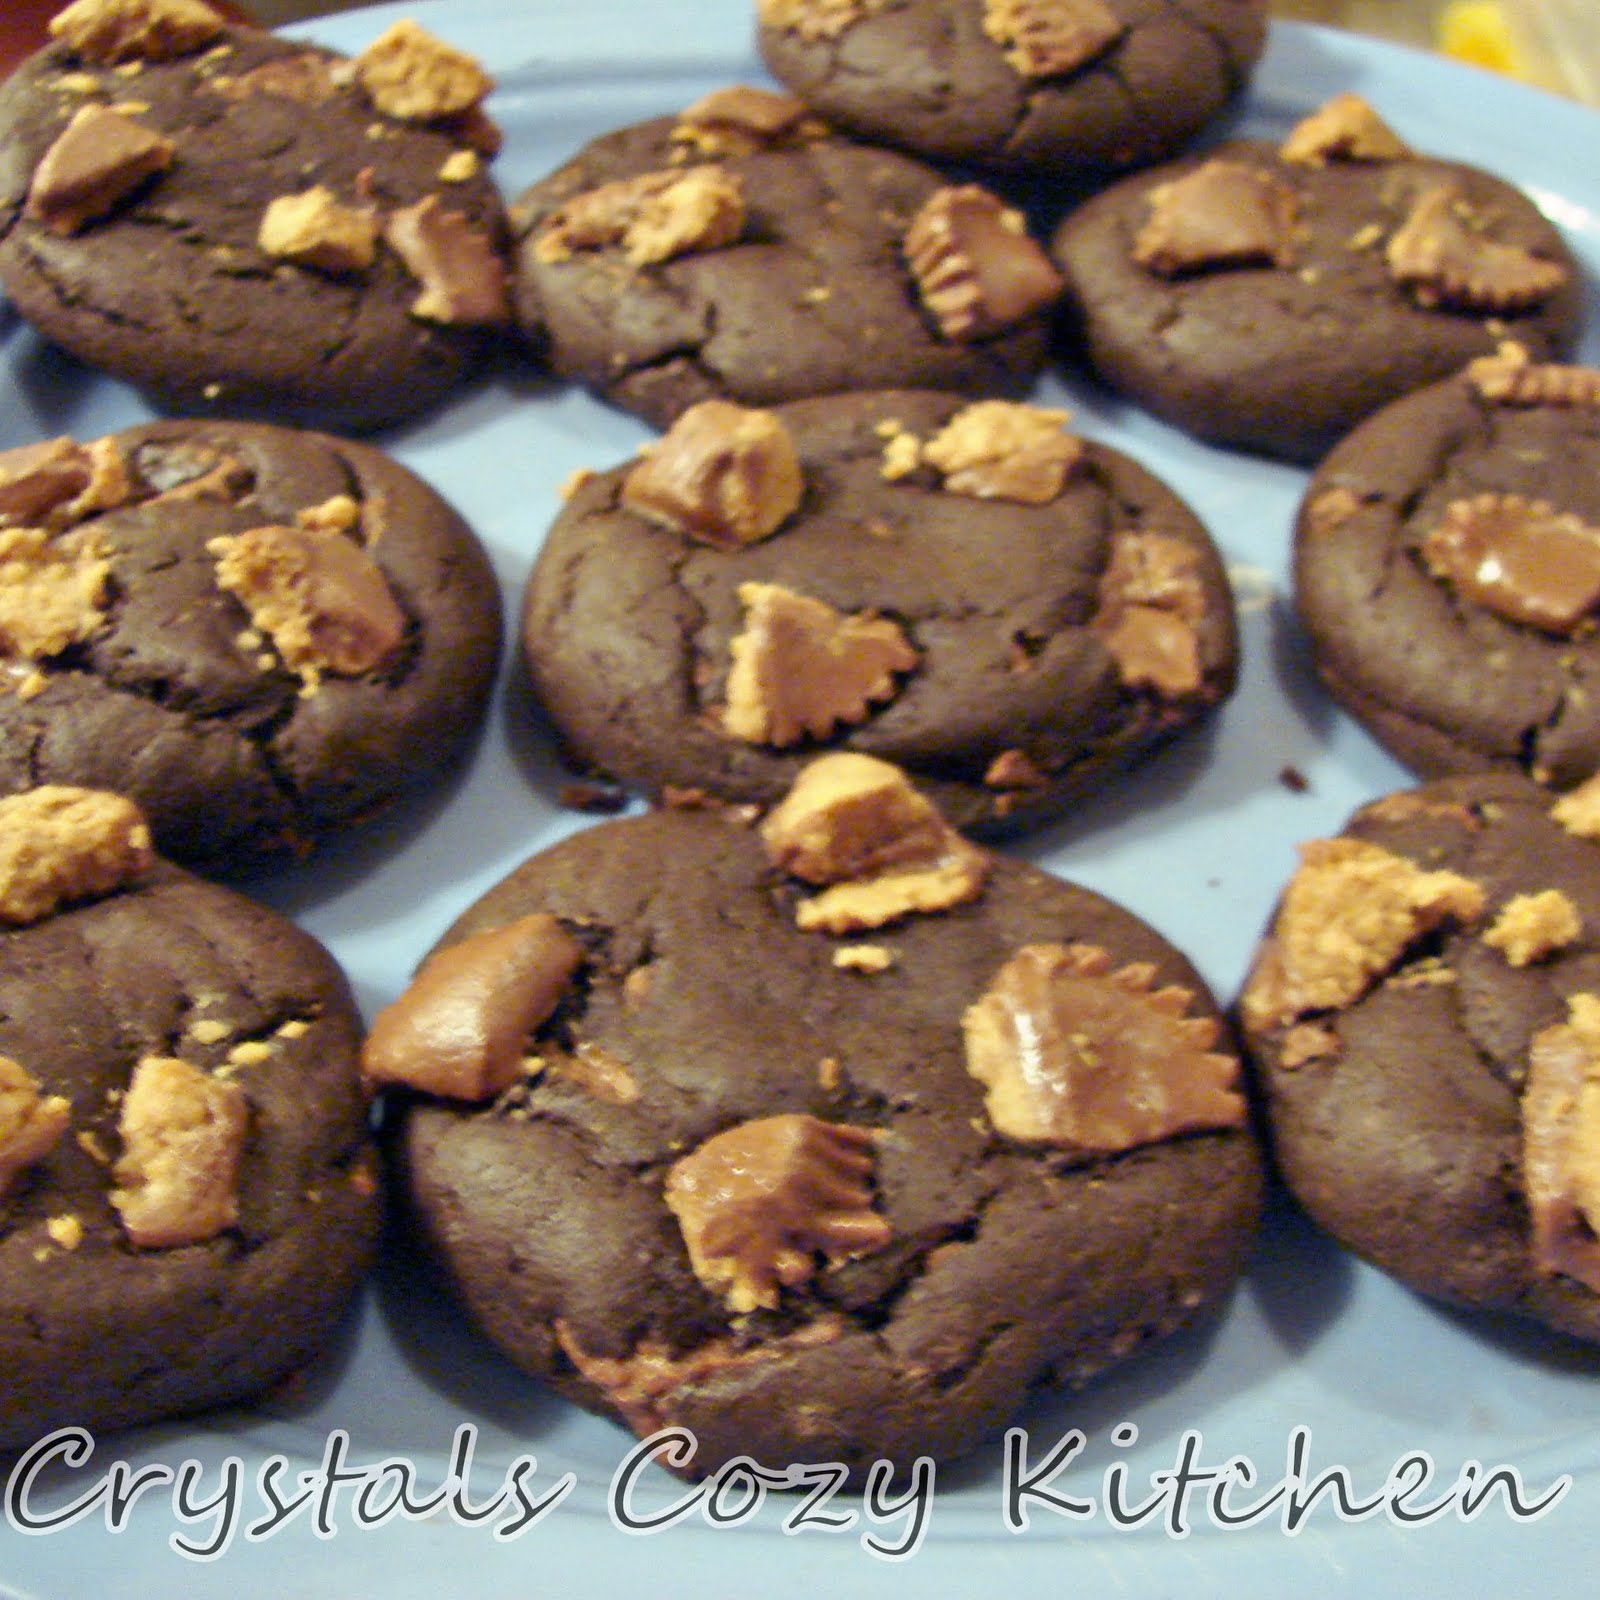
x=1270 y=297
x=1445 y=571
x=239 y=227
x=1050 y=86
x=894 y=1276
x=251 y=630
x=1424 y=1020
x=741 y=251
x=188 y=1197
x=1006 y=611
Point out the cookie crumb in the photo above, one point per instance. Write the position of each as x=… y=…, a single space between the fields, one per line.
x=66 y=1230
x=864 y=957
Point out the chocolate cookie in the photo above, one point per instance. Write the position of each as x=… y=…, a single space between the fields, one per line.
x=244 y=225
x=188 y=1197
x=740 y=251
x=968 y=590
x=1269 y=298
x=697 y=1156
x=1051 y=86
x=254 y=632
x=1446 y=570
x=1424 y=1017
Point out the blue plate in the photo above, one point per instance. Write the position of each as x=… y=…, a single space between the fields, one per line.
x=1450 y=1452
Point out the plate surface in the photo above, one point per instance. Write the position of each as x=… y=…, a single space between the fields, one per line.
x=1318 y=1368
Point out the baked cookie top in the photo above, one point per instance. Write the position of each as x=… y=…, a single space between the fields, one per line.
x=241 y=224
x=1424 y=1017
x=743 y=251
x=843 y=1134
x=1446 y=571
x=1052 y=86
x=970 y=590
x=1269 y=297
x=187 y=1192
x=250 y=629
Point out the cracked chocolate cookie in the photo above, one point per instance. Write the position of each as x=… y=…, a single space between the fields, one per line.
x=1050 y=86
x=252 y=631
x=242 y=225
x=1270 y=297
x=188 y=1196
x=1424 y=1018
x=829 y=1141
x=741 y=251
x=1446 y=570
x=969 y=590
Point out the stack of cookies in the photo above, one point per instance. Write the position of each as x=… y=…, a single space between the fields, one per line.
x=844 y=1132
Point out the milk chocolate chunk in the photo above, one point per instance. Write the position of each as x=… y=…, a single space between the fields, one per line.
x=1519 y=558
x=100 y=157
x=1002 y=450
x=182 y=1134
x=60 y=844
x=321 y=599
x=1561 y=1144
x=109 y=32
x=1346 y=128
x=410 y=74
x=462 y=277
x=652 y=218
x=462 y=1028
x=1348 y=915
x=31 y=1123
x=759 y=1203
x=800 y=668
x=1076 y=1053
x=1223 y=214
x=1444 y=254
x=977 y=270
x=1047 y=38
x=724 y=475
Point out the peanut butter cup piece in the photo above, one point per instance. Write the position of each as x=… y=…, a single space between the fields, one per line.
x=1445 y=254
x=31 y=1123
x=1345 y=128
x=978 y=271
x=1561 y=1144
x=1223 y=214
x=652 y=218
x=463 y=1028
x=59 y=845
x=111 y=32
x=724 y=474
x=99 y=158
x=1076 y=1052
x=759 y=1203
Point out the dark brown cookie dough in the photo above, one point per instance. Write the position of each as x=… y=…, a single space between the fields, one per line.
x=776 y=268
x=334 y=652
x=1270 y=303
x=1015 y=651
x=918 y=1273
x=142 y=251
x=1424 y=1018
x=1445 y=570
x=1053 y=86
x=152 y=1008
